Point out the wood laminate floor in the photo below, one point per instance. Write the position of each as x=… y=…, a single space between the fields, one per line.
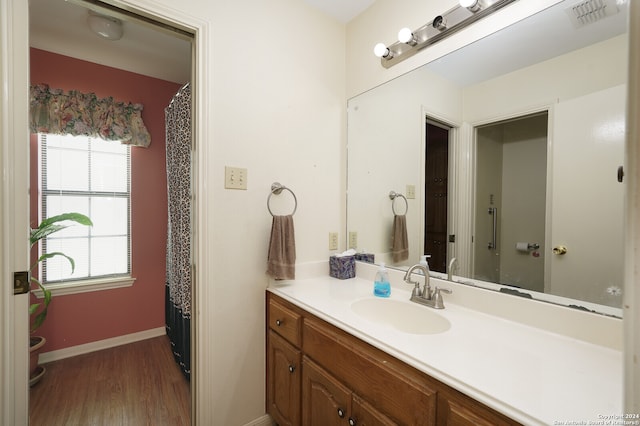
x=135 y=385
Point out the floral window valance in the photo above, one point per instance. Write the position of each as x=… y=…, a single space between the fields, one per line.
x=83 y=114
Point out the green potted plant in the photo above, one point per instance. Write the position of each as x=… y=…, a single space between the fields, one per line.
x=38 y=311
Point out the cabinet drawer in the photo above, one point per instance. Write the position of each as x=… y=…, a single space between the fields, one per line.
x=285 y=322
x=456 y=409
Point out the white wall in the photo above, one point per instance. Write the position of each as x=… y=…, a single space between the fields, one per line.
x=273 y=100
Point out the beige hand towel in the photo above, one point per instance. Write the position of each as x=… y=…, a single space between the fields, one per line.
x=400 y=241
x=281 y=261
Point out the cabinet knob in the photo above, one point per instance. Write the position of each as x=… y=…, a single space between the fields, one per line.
x=278 y=322
x=292 y=368
x=340 y=413
x=352 y=422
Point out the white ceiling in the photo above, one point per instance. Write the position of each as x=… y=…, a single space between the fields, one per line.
x=343 y=10
x=60 y=26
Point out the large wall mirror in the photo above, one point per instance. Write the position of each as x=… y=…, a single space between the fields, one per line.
x=507 y=152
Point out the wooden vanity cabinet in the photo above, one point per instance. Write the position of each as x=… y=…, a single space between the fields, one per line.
x=319 y=375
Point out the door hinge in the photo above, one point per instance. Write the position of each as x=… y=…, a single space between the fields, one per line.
x=21 y=282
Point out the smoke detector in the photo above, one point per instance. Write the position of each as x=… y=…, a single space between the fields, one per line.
x=106 y=27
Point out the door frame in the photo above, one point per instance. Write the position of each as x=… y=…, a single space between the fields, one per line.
x=14 y=154
x=14 y=213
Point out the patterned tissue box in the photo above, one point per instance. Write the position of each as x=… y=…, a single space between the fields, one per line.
x=342 y=267
x=365 y=257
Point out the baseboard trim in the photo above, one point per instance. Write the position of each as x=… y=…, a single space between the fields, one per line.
x=101 y=344
x=265 y=420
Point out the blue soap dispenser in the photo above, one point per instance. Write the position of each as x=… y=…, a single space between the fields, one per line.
x=381 y=285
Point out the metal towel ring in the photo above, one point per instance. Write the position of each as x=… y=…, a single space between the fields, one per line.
x=393 y=195
x=276 y=188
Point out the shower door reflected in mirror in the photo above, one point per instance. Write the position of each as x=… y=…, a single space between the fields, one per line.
x=511 y=176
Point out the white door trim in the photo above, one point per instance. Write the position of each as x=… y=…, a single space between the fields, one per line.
x=14 y=214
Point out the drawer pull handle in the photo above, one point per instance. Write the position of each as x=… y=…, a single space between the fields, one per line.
x=278 y=322
x=352 y=422
x=340 y=413
x=292 y=368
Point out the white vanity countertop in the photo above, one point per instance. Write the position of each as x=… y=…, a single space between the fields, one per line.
x=531 y=375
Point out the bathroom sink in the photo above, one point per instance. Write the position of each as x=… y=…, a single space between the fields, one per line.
x=406 y=317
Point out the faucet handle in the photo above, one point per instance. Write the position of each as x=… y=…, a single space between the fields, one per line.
x=416 y=291
x=438 y=303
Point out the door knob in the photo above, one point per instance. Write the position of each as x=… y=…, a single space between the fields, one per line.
x=559 y=250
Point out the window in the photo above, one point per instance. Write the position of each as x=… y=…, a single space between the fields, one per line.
x=89 y=176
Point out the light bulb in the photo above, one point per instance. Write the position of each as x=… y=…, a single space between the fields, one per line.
x=468 y=3
x=405 y=35
x=382 y=51
x=472 y=5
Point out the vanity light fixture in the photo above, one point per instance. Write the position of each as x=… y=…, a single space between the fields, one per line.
x=410 y=42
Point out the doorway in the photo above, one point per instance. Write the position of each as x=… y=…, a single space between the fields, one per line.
x=511 y=181
x=131 y=22
x=436 y=194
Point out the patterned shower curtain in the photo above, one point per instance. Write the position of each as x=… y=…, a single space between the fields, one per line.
x=179 y=236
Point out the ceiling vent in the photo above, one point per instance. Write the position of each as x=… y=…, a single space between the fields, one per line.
x=590 y=11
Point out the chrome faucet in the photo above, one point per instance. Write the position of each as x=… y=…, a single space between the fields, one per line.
x=452 y=263
x=425 y=296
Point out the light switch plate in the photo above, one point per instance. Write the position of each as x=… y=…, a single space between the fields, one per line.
x=235 y=178
x=353 y=240
x=333 y=241
x=411 y=192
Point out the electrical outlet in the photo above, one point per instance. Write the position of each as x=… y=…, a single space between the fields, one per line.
x=333 y=241
x=353 y=240
x=235 y=178
x=411 y=191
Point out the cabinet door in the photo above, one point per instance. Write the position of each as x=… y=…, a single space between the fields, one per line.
x=459 y=410
x=325 y=401
x=365 y=414
x=283 y=381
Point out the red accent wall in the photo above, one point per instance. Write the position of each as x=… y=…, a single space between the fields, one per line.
x=88 y=317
